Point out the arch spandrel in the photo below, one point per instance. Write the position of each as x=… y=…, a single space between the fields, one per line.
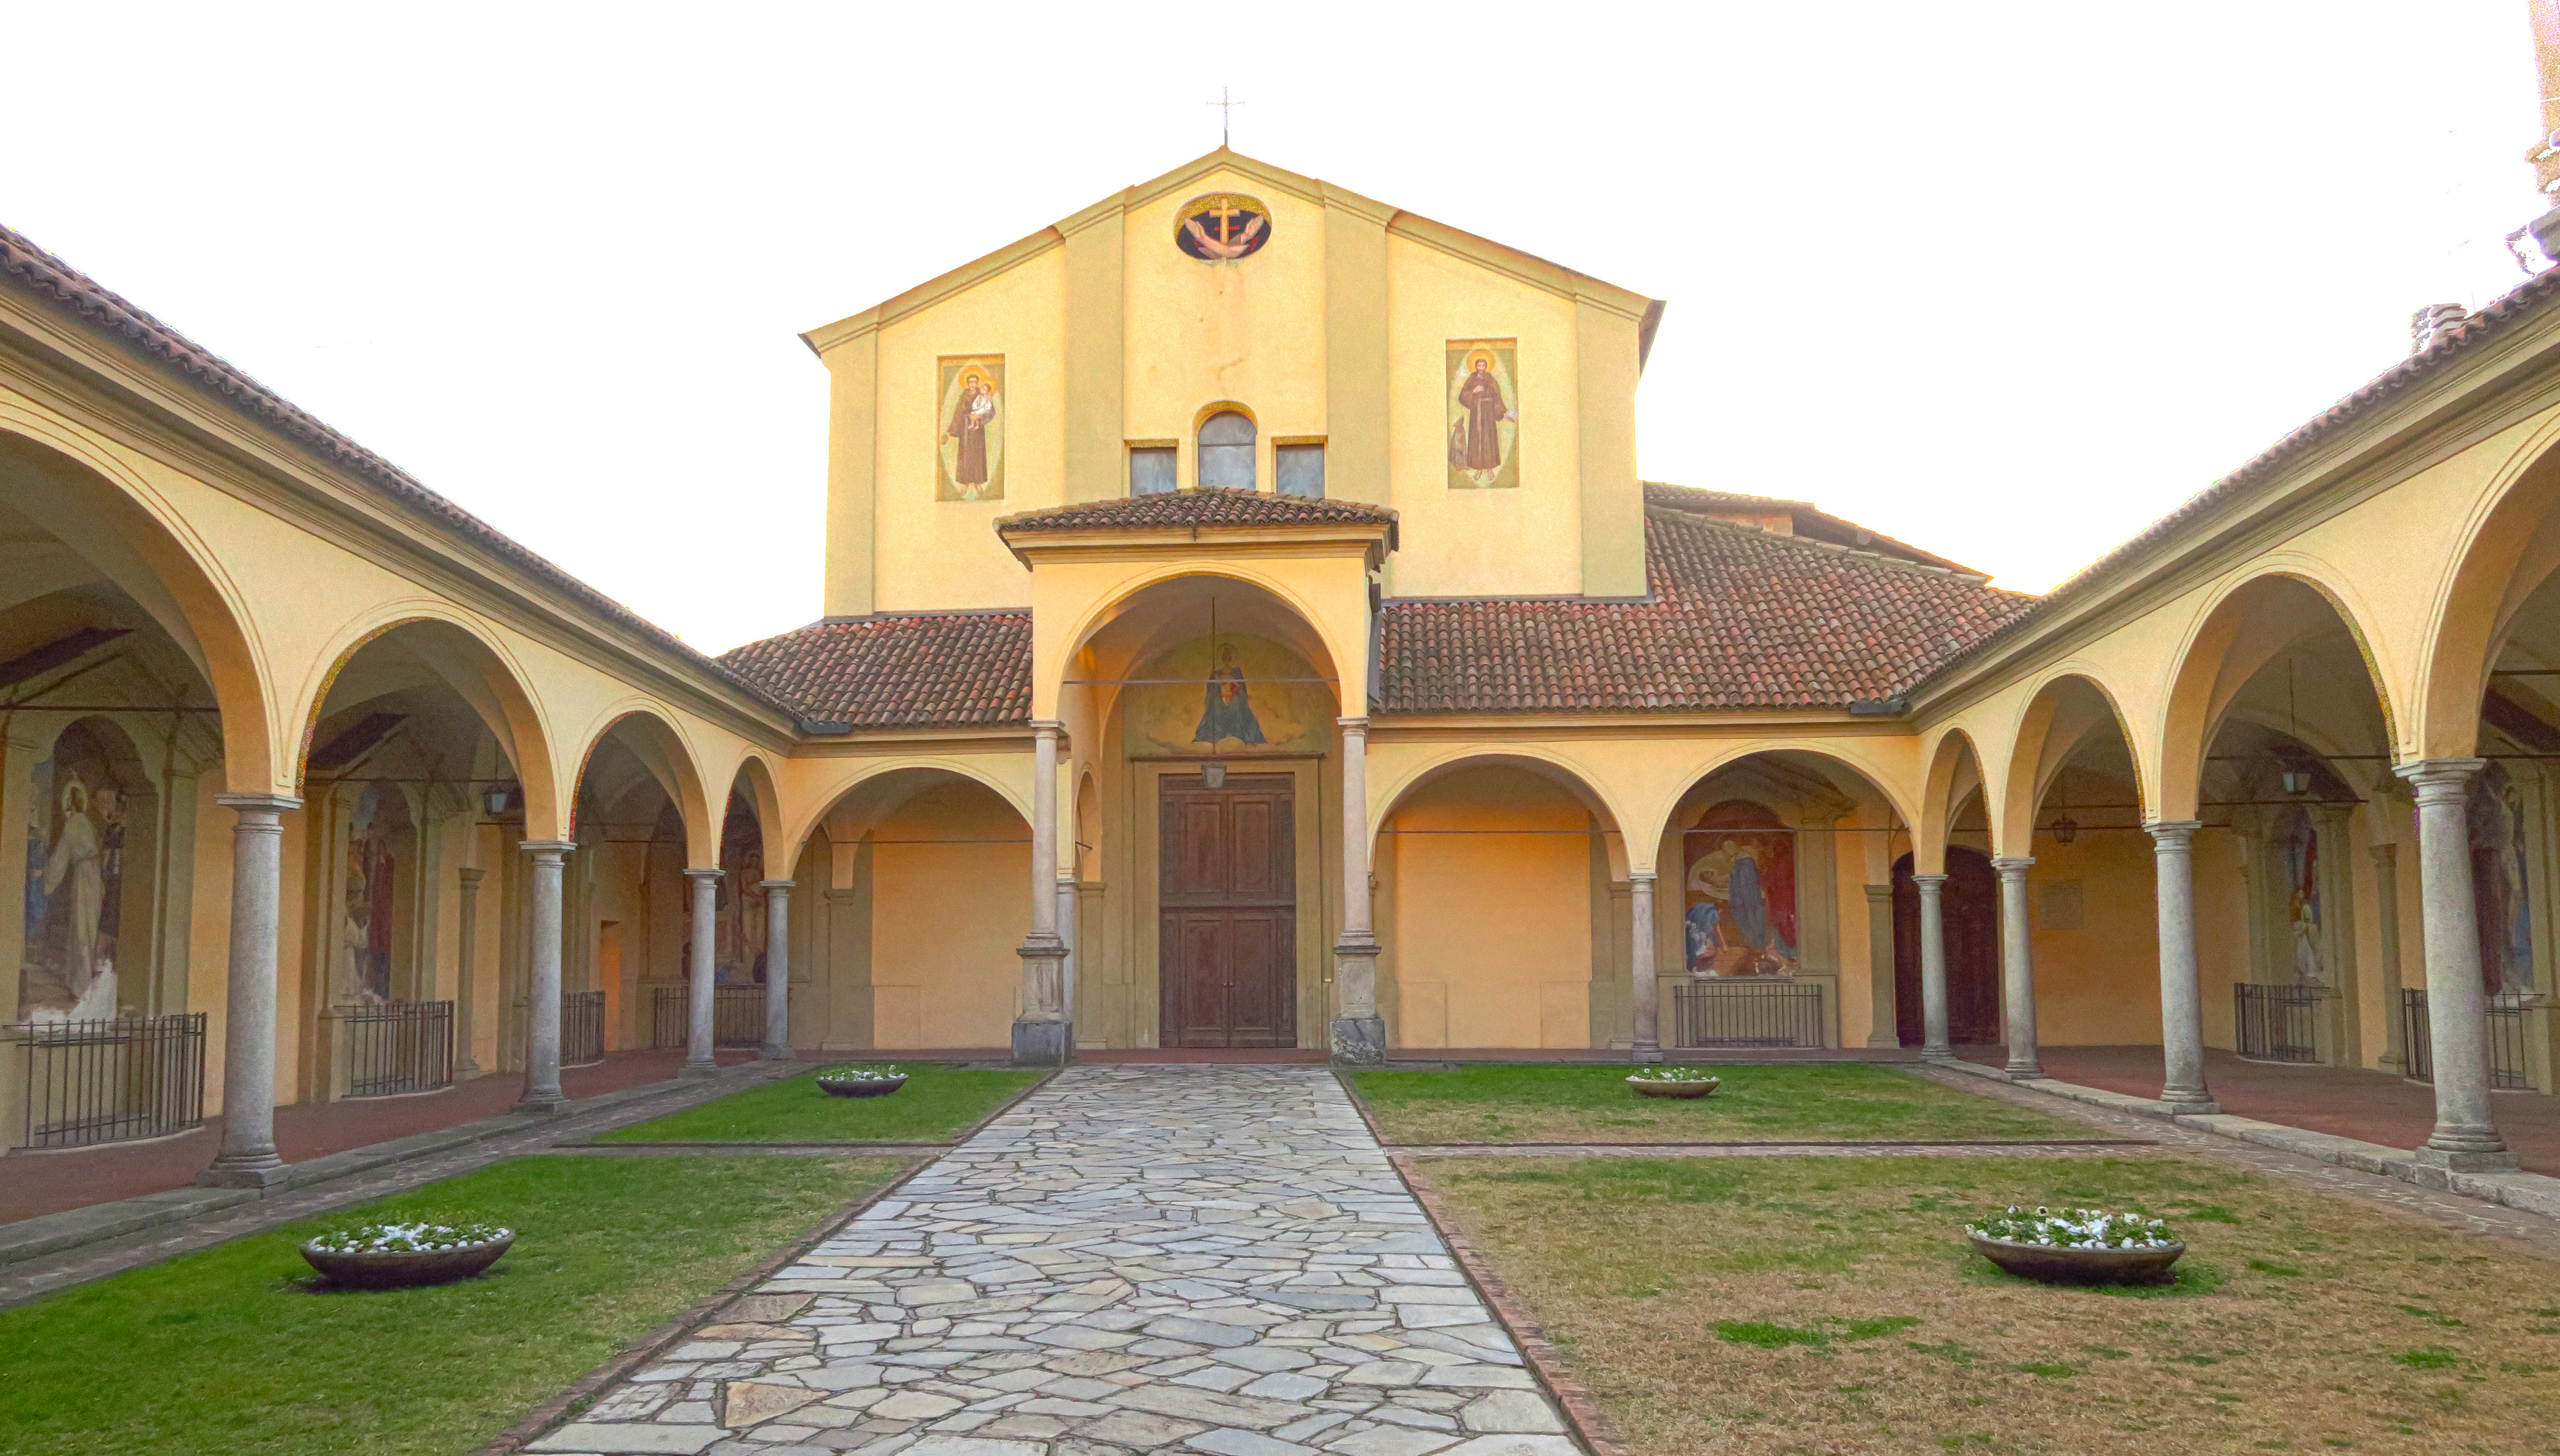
x=2508 y=542
x=105 y=510
x=662 y=749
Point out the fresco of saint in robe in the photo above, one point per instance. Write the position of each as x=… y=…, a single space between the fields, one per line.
x=738 y=940
x=2300 y=847
x=1483 y=416
x=2495 y=810
x=377 y=839
x=971 y=451
x=74 y=882
x=1739 y=893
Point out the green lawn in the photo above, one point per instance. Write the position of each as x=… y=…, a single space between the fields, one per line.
x=1831 y=1102
x=227 y=1351
x=1767 y=1306
x=937 y=1103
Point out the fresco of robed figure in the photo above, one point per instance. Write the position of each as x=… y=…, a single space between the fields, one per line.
x=1483 y=416
x=1232 y=694
x=1740 y=892
x=970 y=455
x=75 y=886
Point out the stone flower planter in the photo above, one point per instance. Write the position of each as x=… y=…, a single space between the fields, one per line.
x=878 y=1087
x=1656 y=1087
x=2050 y=1265
x=402 y=1270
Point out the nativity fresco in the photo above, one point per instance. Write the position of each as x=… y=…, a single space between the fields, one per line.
x=1484 y=414
x=1229 y=694
x=2298 y=847
x=738 y=936
x=74 y=889
x=971 y=453
x=380 y=836
x=2496 y=809
x=1739 y=890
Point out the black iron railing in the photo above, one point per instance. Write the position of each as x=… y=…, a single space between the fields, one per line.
x=2279 y=1022
x=1747 y=1014
x=2507 y=1070
x=110 y=1082
x=581 y=1028
x=398 y=1046
x=738 y=1016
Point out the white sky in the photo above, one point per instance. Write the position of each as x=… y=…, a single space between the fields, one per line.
x=2004 y=280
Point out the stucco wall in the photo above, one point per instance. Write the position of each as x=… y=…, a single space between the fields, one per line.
x=949 y=869
x=1492 y=913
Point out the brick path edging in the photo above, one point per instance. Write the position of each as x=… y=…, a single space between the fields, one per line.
x=568 y=1402
x=1591 y=1425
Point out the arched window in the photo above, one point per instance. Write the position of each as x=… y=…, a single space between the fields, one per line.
x=1227 y=451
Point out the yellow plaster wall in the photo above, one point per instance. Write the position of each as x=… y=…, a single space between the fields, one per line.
x=950 y=869
x=1493 y=930
x=1469 y=542
x=936 y=555
x=2098 y=985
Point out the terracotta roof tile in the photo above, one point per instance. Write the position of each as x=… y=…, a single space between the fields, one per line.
x=1739 y=619
x=929 y=670
x=1212 y=507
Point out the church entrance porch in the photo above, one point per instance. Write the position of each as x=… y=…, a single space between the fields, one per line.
x=1227 y=907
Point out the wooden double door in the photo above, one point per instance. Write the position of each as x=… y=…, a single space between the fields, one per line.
x=1968 y=917
x=1227 y=911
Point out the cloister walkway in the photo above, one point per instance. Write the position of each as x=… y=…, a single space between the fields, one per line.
x=1215 y=1258
x=2370 y=1107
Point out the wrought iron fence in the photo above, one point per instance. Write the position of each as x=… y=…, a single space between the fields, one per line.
x=738 y=1016
x=1747 y=1014
x=581 y=1028
x=110 y=1082
x=2506 y=1065
x=2279 y=1022
x=399 y=1047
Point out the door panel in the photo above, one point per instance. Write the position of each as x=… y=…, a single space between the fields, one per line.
x=1227 y=929
x=1968 y=917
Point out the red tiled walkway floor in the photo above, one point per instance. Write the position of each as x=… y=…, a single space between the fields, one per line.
x=2370 y=1107
x=33 y=1183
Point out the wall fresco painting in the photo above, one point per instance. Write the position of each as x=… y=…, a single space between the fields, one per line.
x=2496 y=809
x=1484 y=414
x=75 y=887
x=1739 y=893
x=1230 y=696
x=2299 y=847
x=739 y=937
x=380 y=837
x=971 y=452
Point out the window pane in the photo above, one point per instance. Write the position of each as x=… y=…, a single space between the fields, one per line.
x=1301 y=469
x=1227 y=465
x=1229 y=429
x=1150 y=470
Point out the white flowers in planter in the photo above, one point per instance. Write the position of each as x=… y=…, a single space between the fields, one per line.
x=1672 y=1075
x=426 y=1234
x=2073 y=1229
x=862 y=1074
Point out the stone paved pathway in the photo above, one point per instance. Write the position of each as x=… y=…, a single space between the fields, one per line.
x=1137 y=1258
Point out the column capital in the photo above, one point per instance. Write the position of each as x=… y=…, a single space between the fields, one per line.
x=2010 y=865
x=539 y=846
x=2174 y=834
x=471 y=874
x=1047 y=727
x=781 y=885
x=704 y=872
x=1352 y=725
x=2383 y=854
x=1880 y=892
x=2438 y=780
x=1647 y=876
x=1930 y=882
x=257 y=803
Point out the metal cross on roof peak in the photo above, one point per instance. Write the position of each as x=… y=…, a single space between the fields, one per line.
x=1226 y=113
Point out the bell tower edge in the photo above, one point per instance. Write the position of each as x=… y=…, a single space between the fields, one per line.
x=852 y=464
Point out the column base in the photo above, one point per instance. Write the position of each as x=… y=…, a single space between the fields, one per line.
x=2465 y=1160
x=540 y=1106
x=695 y=1070
x=468 y=1071
x=270 y=1173
x=1937 y=1053
x=1644 y=1056
x=2190 y=1107
x=2024 y=1071
x=1044 y=1044
x=1358 y=1040
x=772 y=1053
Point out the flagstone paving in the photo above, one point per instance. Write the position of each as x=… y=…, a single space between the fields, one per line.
x=1136 y=1259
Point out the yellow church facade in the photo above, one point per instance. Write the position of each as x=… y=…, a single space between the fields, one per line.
x=1246 y=632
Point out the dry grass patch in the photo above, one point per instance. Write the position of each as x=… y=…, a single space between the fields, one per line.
x=1832 y=1305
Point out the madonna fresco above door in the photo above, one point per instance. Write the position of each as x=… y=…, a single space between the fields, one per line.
x=1227 y=697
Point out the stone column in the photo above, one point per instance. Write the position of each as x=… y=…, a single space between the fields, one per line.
x=543 y=1008
x=248 y=1158
x=1647 y=993
x=2181 y=1000
x=2386 y=933
x=1883 y=1012
x=466 y=1025
x=1041 y=1036
x=777 y=970
x=1359 y=1032
x=2018 y=966
x=1933 y=1046
x=2466 y=1137
x=702 y=930
x=1066 y=934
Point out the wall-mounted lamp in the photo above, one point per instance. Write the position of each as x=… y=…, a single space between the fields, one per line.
x=1214 y=774
x=2296 y=780
x=2065 y=829
x=494 y=797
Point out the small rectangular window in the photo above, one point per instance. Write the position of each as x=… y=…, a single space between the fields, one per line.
x=1302 y=471
x=1151 y=469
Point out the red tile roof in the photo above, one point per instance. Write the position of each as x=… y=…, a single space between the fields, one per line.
x=33 y=270
x=1739 y=619
x=1213 y=506
x=929 y=670
x=1809 y=520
